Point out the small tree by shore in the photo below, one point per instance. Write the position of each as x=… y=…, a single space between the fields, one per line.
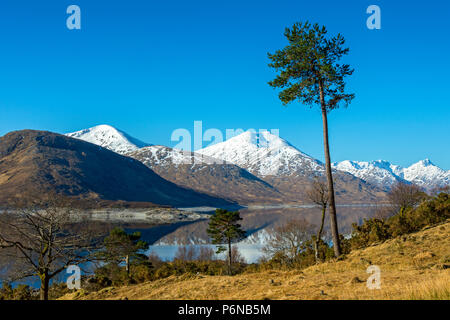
x=223 y=229
x=122 y=247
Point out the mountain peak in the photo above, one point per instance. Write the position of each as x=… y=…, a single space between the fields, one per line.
x=425 y=163
x=262 y=153
x=109 y=137
x=379 y=172
x=261 y=139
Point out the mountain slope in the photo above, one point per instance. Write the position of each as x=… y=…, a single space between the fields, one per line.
x=425 y=174
x=203 y=174
x=39 y=161
x=384 y=174
x=263 y=154
x=286 y=168
x=109 y=138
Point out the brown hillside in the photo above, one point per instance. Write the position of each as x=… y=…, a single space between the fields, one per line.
x=38 y=161
x=415 y=266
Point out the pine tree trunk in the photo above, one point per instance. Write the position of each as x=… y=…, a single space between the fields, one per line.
x=229 y=257
x=127 y=265
x=319 y=234
x=43 y=292
x=333 y=218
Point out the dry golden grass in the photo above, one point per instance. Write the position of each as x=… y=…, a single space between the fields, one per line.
x=412 y=267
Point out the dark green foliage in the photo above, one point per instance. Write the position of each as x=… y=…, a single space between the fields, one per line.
x=429 y=212
x=402 y=223
x=308 y=62
x=6 y=292
x=439 y=207
x=224 y=228
x=21 y=292
x=121 y=247
x=372 y=230
x=346 y=246
x=115 y=275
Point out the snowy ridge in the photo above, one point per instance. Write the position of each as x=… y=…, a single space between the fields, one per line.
x=424 y=173
x=110 y=138
x=263 y=154
x=382 y=173
x=165 y=157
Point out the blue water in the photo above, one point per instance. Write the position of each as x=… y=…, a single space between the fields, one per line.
x=250 y=252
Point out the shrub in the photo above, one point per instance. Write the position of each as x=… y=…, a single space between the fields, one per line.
x=21 y=292
x=429 y=212
x=372 y=230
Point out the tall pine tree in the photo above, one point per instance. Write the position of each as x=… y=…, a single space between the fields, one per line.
x=308 y=71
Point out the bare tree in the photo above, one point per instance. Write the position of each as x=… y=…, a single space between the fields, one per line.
x=318 y=194
x=194 y=253
x=404 y=195
x=289 y=239
x=40 y=238
x=205 y=254
x=437 y=190
x=186 y=253
x=236 y=256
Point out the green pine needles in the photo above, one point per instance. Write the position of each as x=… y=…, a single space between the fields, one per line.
x=309 y=64
x=224 y=229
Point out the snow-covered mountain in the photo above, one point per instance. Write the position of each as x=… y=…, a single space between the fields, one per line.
x=161 y=156
x=263 y=154
x=207 y=175
x=110 y=138
x=384 y=174
x=424 y=173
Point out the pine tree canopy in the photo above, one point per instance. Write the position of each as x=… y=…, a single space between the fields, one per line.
x=309 y=62
x=224 y=228
x=119 y=244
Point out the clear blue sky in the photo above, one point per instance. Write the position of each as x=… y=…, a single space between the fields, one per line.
x=149 y=67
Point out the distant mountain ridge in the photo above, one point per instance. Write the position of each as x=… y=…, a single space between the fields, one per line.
x=269 y=158
x=384 y=174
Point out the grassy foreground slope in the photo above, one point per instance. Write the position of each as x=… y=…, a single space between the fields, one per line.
x=415 y=266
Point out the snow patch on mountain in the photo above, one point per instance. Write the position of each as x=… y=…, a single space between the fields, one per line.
x=424 y=173
x=109 y=137
x=263 y=154
x=161 y=156
x=382 y=173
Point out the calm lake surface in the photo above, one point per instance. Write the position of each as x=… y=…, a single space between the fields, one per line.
x=256 y=221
